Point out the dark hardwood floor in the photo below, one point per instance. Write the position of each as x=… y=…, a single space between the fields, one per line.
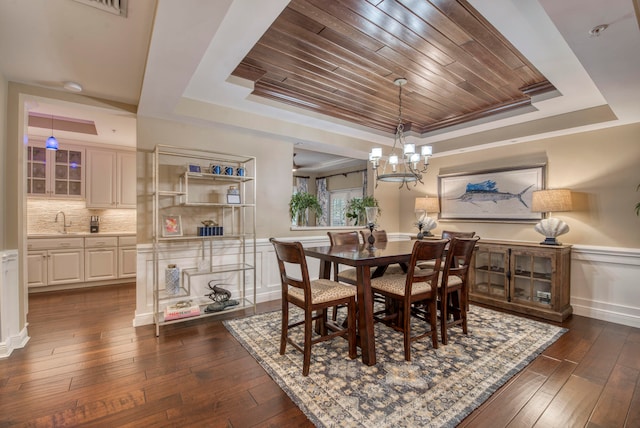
x=86 y=365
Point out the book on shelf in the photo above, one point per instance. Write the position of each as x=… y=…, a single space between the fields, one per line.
x=181 y=310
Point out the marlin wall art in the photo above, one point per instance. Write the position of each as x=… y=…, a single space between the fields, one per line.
x=486 y=191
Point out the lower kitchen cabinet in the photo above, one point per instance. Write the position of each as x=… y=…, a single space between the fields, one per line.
x=529 y=278
x=67 y=260
x=101 y=258
x=127 y=257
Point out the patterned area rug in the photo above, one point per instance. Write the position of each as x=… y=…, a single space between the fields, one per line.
x=438 y=388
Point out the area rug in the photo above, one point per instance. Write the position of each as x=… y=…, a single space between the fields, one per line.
x=438 y=388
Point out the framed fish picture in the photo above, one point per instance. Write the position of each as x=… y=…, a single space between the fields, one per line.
x=495 y=195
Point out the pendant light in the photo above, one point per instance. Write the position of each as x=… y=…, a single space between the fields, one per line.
x=52 y=143
x=404 y=164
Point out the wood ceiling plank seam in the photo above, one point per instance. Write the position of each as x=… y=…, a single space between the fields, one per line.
x=302 y=70
x=314 y=84
x=276 y=60
x=433 y=16
x=499 y=68
x=291 y=15
x=329 y=20
x=444 y=92
x=495 y=109
x=339 y=99
x=509 y=54
x=383 y=22
x=480 y=30
x=475 y=80
x=248 y=72
x=358 y=74
x=440 y=41
x=329 y=46
x=330 y=111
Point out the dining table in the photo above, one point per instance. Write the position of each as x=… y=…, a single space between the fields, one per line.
x=365 y=258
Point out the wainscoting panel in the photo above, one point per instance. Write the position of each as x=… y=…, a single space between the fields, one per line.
x=605 y=284
x=11 y=336
x=604 y=280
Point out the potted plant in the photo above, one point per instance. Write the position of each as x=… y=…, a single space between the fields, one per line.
x=356 y=209
x=300 y=205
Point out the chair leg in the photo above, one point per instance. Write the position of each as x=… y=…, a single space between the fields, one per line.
x=434 y=321
x=464 y=303
x=351 y=329
x=285 y=326
x=406 y=320
x=444 y=316
x=308 y=331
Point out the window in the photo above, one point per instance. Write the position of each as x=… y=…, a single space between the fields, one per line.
x=338 y=200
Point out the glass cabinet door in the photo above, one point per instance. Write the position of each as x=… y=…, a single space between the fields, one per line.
x=490 y=273
x=532 y=278
x=55 y=173
x=68 y=173
x=36 y=171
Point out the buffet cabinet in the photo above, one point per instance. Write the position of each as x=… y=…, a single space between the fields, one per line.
x=532 y=279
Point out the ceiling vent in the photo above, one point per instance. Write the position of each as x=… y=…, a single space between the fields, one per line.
x=115 y=7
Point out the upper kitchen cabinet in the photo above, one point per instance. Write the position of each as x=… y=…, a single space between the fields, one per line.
x=111 y=179
x=55 y=173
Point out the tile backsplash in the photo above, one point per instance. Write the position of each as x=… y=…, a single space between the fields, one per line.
x=41 y=214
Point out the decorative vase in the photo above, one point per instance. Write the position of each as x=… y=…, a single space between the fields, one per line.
x=302 y=219
x=172 y=279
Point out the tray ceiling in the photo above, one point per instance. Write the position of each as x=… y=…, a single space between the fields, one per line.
x=340 y=58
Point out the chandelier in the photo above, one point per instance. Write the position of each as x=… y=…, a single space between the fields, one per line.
x=405 y=165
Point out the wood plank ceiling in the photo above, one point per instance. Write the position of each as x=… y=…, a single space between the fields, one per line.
x=340 y=58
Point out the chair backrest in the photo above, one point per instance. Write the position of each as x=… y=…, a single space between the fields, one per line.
x=459 y=257
x=425 y=251
x=379 y=235
x=292 y=253
x=344 y=238
x=448 y=234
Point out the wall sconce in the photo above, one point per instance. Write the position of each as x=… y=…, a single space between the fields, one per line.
x=423 y=207
x=547 y=201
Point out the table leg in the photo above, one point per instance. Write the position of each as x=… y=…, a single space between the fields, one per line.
x=365 y=316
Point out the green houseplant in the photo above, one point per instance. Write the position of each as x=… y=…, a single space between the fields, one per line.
x=299 y=206
x=356 y=209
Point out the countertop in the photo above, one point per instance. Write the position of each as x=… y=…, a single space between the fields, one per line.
x=78 y=234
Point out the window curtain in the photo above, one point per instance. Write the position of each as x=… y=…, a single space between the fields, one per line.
x=302 y=184
x=365 y=184
x=323 y=198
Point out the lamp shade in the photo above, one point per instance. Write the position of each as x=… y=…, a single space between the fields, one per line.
x=551 y=200
x=429 y=205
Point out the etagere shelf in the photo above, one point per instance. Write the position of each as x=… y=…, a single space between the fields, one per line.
x=210 y=198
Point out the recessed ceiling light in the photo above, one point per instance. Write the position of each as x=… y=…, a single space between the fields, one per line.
x=595 y=31
x=73 y=86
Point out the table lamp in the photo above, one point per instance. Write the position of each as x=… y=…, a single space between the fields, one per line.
x=547 y=201
x=423 y=207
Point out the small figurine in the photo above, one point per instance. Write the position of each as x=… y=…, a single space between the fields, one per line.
x=221 y=298
x=209 y=223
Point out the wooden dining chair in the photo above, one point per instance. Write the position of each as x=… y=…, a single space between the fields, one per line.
x=348 y=276
x=454 y=285
x=417 y=285
x=311 y=296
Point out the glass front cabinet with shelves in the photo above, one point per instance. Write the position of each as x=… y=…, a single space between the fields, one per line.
x=204 y=216
x=524 y=277
x=55 y=173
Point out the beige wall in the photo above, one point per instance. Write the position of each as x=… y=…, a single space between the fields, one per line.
x=3 y=154
x=600 y=167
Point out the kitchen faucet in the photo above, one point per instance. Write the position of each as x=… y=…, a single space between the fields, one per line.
x=64 y=221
